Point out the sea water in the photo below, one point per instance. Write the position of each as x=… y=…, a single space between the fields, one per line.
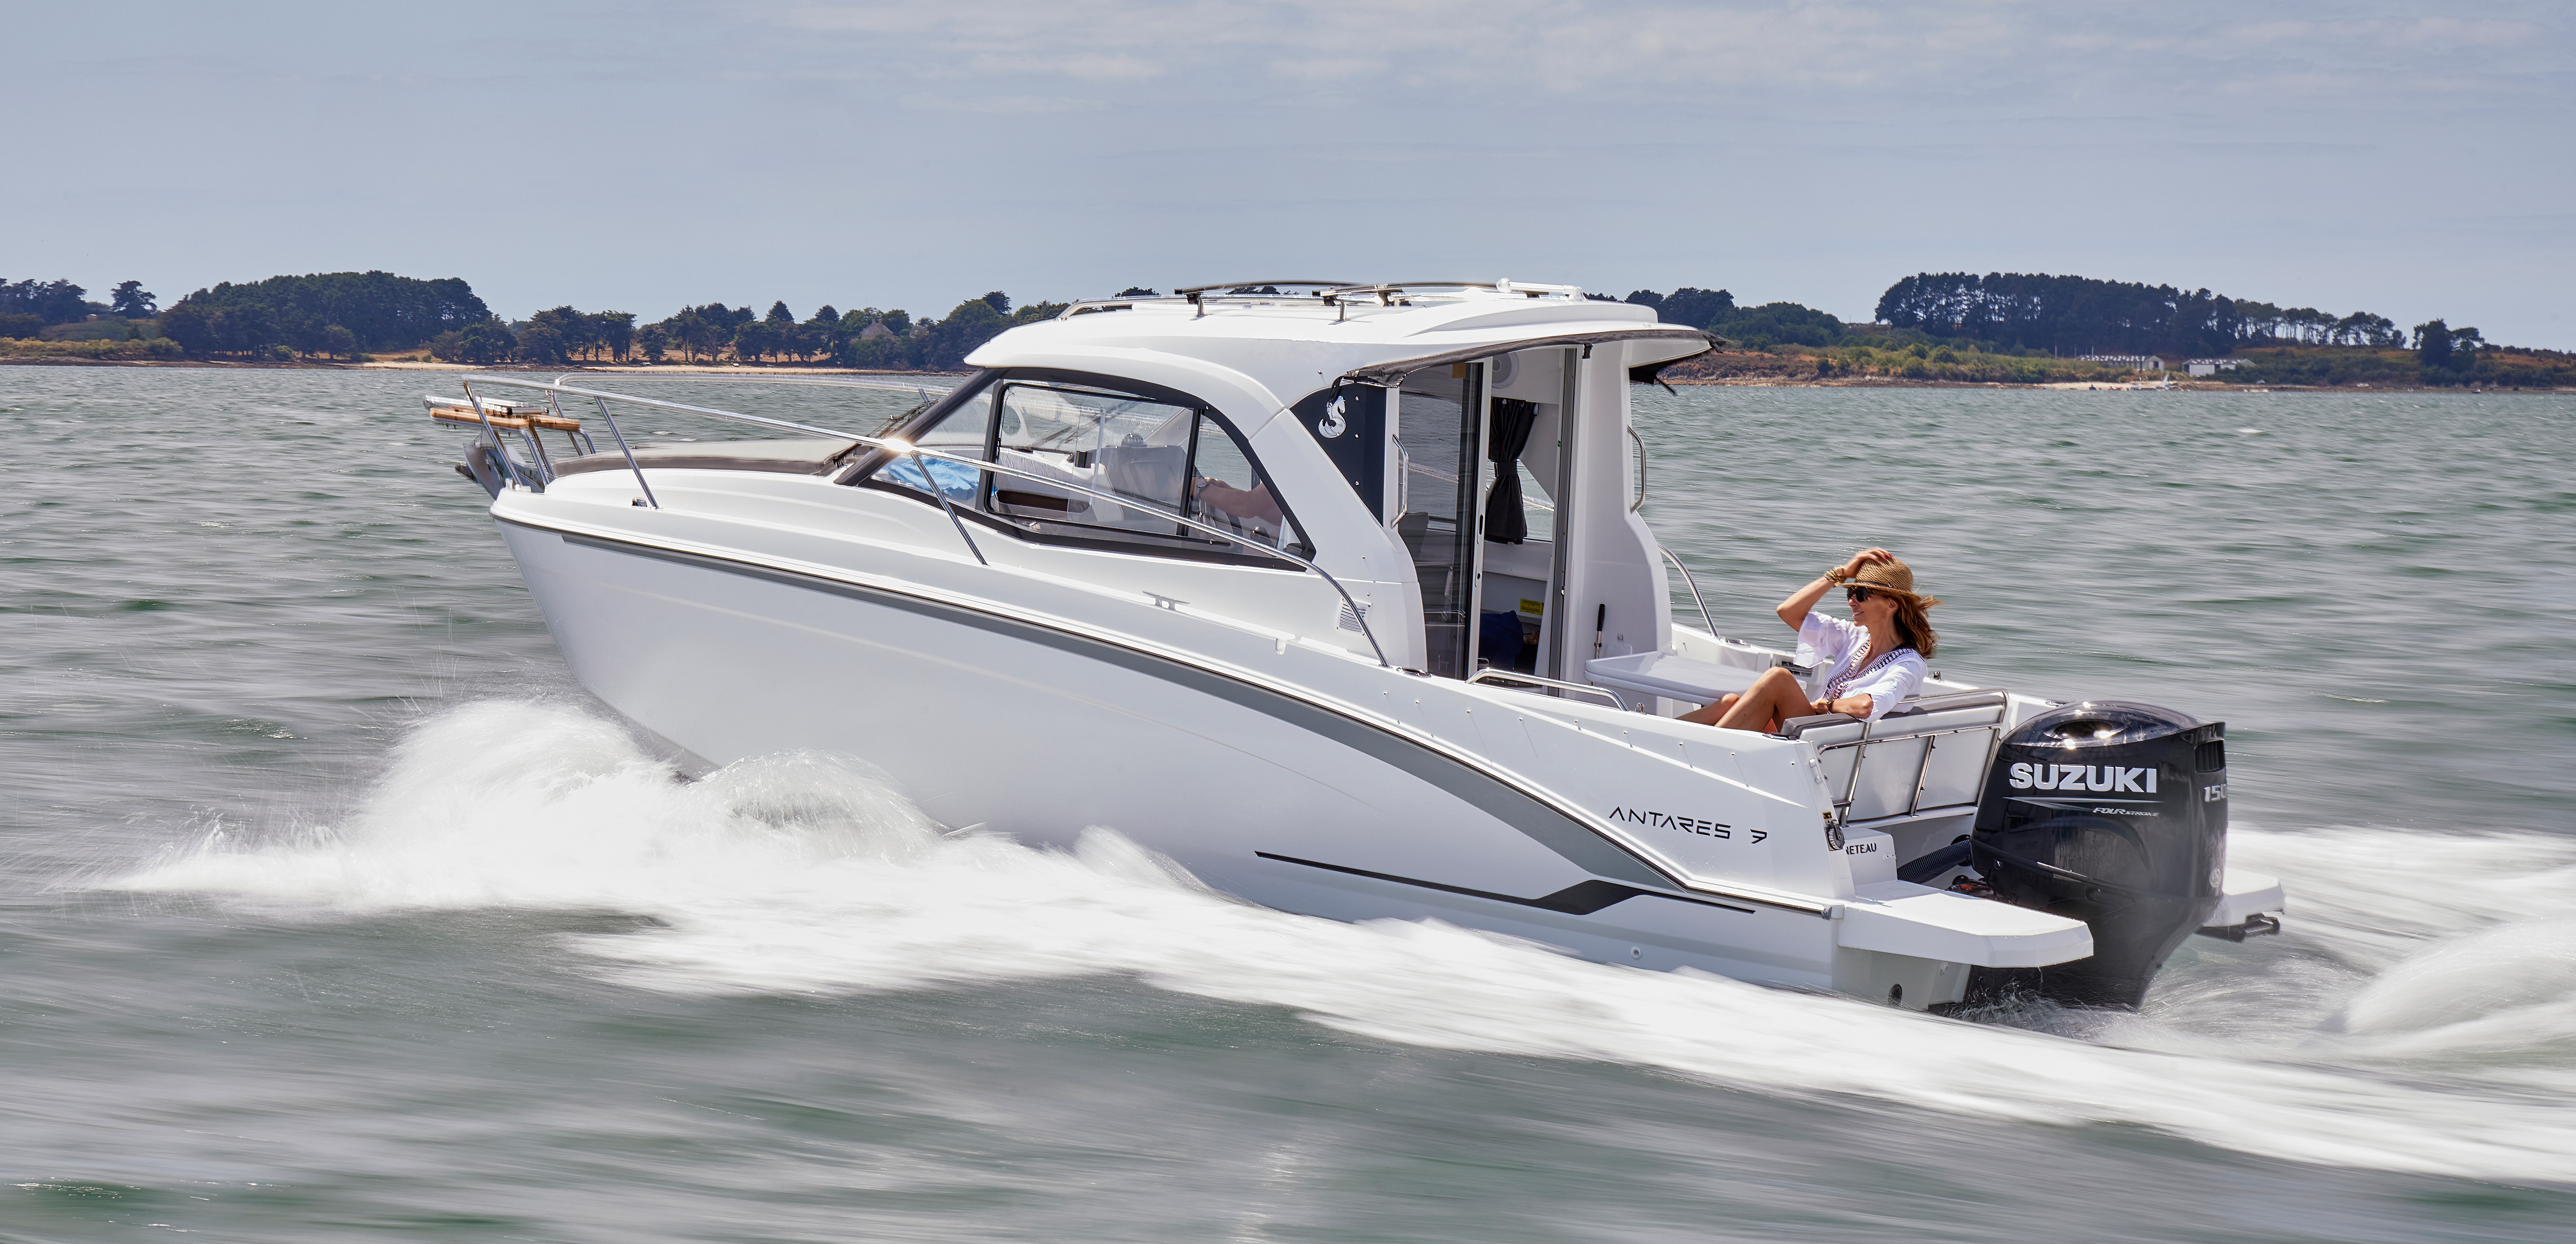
x=332 y=910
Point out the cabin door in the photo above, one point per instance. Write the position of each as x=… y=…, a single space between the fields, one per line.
x=1440 y=478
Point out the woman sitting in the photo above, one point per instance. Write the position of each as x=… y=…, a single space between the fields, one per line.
x=1873 y=662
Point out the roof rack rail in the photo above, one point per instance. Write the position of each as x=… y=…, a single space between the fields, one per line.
x=1386 y=292
x=1195 y=292
x=1332 y=293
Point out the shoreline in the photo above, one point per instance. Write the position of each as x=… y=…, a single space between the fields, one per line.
x=2180 y=385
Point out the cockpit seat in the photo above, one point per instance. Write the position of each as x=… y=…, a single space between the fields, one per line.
x=1926 y=754
x=1638 y=677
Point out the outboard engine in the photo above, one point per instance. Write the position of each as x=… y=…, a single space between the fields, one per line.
x=2114 y=814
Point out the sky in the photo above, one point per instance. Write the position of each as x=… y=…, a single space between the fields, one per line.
x=2409 y=160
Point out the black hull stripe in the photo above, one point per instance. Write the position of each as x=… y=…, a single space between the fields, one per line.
x=1579 y=844
x=1580 y=899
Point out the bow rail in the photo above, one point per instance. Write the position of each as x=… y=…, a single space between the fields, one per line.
x=600 y=398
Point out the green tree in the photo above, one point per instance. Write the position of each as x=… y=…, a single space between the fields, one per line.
x=824 y=333
x=1695 y=308
x=613 y=331
x=1779 y=322
x=2433 y=344
x=656 y=342
x=339 y=342
x=252 y=329
x=705 y=336
x=57 y=302
x=541 y=343
x=946 y=343
x=187 y=326
x=484 y=341
x=384 y=310
x=132 y=300
x=572 y=332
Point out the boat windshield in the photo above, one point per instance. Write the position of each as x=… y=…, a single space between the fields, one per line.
x=1167 y=457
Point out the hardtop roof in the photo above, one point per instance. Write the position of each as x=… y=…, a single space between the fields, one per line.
x=1295 y=344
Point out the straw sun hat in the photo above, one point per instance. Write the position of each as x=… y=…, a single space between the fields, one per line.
x=1888 y=576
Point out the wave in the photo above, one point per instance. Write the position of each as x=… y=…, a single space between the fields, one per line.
x=2421 y=1016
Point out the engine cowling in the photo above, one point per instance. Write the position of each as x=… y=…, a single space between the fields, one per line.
x=2115 y=814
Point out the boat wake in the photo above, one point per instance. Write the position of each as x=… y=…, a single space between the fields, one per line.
x=2420 y=1015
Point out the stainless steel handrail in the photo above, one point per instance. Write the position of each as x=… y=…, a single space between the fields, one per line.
x=917 y=453
x=1693 y=585
x=1491 y=674
x=757 y=377
x=1641 y=469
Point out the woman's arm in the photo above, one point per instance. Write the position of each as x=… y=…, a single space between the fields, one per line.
x=1794 y=610
x=1254 y=502
x=1899 y=679
x=1857 y=705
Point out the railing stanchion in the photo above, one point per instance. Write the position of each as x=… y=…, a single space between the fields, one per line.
x=932 y=483
x=501 y=464
x=631 y=463
x=1693 y=585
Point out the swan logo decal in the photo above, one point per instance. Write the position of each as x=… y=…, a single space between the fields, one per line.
x=1333 y=423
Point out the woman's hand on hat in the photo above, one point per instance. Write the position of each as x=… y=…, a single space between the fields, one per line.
x=1866 y=557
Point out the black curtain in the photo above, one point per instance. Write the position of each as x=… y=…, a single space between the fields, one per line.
x=1513 y=419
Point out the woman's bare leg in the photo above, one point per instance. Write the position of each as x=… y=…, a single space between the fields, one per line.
x=1773 y=698
x=1707 y=714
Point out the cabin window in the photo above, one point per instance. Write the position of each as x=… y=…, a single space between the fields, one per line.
x=1156 y=456
x=962 y=431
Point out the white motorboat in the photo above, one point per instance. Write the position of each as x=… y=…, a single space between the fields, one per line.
x=1339 y=598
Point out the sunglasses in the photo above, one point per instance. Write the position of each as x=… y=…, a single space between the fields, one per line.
x=1855 y=595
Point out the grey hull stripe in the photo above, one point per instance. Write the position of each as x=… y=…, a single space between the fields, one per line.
x=1573 y=840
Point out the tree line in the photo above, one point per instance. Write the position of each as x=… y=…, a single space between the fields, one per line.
x=29 y=307
x=339 y=313
x=867 y=338
x=1993 y=316
x=1763 y=327
x=2073 y=315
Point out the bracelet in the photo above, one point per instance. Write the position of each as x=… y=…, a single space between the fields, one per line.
x=1836 y=575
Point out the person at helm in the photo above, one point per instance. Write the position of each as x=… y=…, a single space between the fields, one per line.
x=1872 y=663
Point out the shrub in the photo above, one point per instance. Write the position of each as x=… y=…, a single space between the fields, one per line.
x=104 y=328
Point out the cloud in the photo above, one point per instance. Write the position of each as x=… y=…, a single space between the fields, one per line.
x=1000 y=104
x=1669 y=51
x=1558 y=45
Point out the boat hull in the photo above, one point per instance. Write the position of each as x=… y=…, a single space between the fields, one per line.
x=987 y=718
